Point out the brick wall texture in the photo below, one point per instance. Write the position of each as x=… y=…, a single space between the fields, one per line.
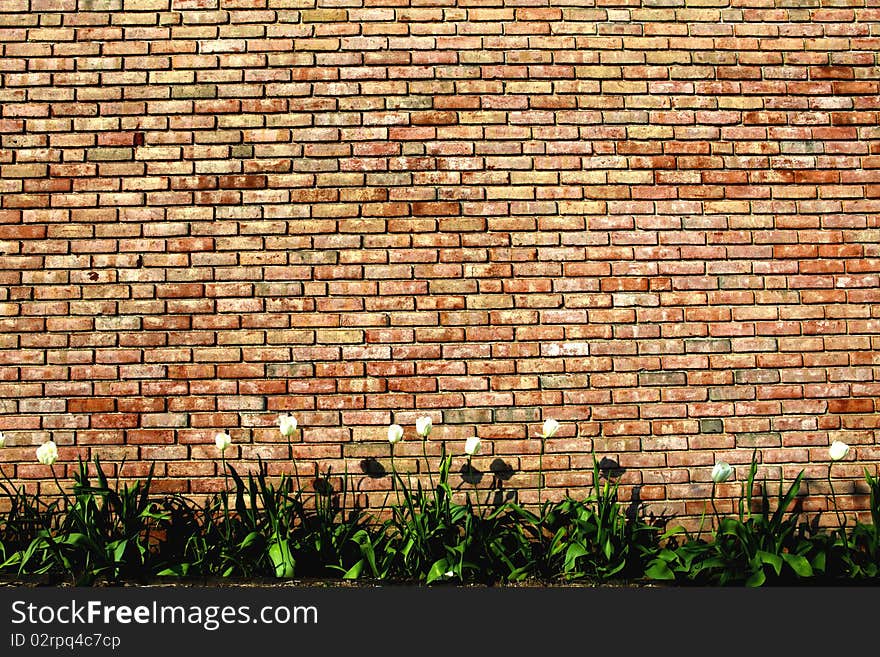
x=655 y=221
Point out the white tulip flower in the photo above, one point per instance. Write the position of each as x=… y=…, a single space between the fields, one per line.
x=721 y=472
x=838 y=450
x=423 y=426
x=47 y=453
x=550 y=428
x=287 y=424
x=395 y=434
x=223 y=440
x=2 y=440
x=472 y=446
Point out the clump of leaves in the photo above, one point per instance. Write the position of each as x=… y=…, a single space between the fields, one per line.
x=594 y=537
x=102 y=532
x=855 y=555
x=330 y=538
x=271 y=529
x=769 y=543
x=106 y=529
x=26 y=543
x=434 y=538
x=250 y=537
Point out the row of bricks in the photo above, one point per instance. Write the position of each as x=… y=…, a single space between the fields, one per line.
x=427 y=131
x=438 y=392
x=275 y=82
x=280 y=203
x=626 y=354
x=520 y=170
x=96 y=12
x=792 y=369
x=269 y=31
x=464 y=103
x=630 y=352
x=122 y=411
x=678 y=412
x=825 y=232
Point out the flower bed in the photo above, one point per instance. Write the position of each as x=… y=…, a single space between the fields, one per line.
x=257 y=528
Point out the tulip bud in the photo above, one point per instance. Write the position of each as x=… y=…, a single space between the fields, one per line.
x=423 y=426
x=287 y=424
x=838 y=450
x=395 y=434
x=721 y=472
x=472 y=446
x=550 y=428
x=47 y=453
x=2 y=440
x=223 y=440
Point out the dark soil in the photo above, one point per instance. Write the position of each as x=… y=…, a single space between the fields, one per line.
x=266 y=582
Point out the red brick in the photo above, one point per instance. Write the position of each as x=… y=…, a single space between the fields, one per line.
x=371 y=213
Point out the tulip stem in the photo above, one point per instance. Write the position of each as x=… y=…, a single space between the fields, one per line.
x=715 y=508
x=49 y=537
x=427 y=462
x=225 y=496
x=57 y=483
x=834 y=499
x=541 y=473
x=394 y=477
x=702 y=520
x=225 y=473
x=295 y=468
x=476 y=490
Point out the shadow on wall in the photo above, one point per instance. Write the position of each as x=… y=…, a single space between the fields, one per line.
x=501 y=472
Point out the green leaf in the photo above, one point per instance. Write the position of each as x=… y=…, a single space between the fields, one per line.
x=75 y=539
x=282 y=559
x=119 y=551
x=177 y=570
x=757 y=579
x=355 y=571
x=250 y=539
x=659 y=570
x=572 y=554
x=773 y=560
x=819 y=562
x=438 y=569
x=798 y=564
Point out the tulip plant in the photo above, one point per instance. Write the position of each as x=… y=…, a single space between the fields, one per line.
x=287 y=527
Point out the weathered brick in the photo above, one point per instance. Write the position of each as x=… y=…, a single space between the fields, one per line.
x=654 y=223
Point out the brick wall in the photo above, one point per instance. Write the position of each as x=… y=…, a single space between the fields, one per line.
x=655 y=222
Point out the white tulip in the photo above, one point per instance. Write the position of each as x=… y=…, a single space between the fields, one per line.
x=395 y=434
x=223 y=440
x=472 y=446
x=2 y=440
x=287 y=424
x=838 y=450
x=423 y=426
x=47 y=453
x=721 y=472
x=550 y=428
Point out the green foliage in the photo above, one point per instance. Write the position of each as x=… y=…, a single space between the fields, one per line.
x=270 y=530
x=855 y=556
x=276 y=527
x=767 y=542
x=26 y=543
x=102 y=532
x=106 y=530
x=431 y=537
x=594 y=538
